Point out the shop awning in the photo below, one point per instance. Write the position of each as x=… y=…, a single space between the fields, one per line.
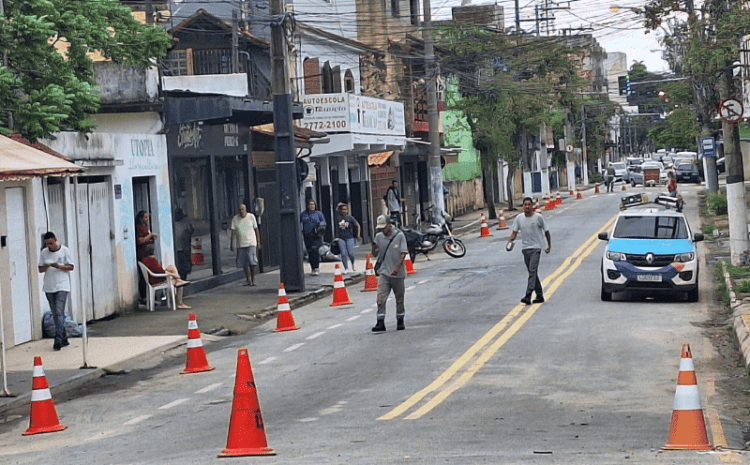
x=303 y=137
x=21 y=160
x=379 y=159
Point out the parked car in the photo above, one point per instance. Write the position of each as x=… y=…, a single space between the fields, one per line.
x=687 y=172
x=720 y=167
x=650 y=249
x=621 y=171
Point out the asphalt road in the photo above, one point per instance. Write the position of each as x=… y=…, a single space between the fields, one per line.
x=475 y=378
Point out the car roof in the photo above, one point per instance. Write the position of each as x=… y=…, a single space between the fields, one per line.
x=651 y=210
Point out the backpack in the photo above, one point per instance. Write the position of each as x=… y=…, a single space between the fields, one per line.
x=385 y=197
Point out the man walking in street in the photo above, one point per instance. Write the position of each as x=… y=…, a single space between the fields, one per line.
x=533 y=233
x=313 y=229
x=56 y=262
x=393 y=200
x=245 y=230
x=391 y=249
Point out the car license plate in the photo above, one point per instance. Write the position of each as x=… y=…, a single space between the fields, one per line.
x=649 y=278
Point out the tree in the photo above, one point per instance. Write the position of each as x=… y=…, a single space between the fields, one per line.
x=47 y=75
x=508 y=88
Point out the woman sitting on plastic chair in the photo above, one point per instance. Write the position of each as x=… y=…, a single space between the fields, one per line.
x=155 y=267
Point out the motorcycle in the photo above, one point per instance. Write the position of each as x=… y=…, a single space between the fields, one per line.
x=426 y=241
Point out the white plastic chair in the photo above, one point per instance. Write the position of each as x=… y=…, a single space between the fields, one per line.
x=167 y=286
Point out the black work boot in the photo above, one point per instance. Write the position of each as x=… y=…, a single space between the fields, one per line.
x=400 y=324
x=526 y=299
x=379 y=327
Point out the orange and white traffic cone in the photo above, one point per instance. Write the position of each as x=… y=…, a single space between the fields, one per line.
x=409 y=265
x=558 y=200
x=371 y=281
x=501 y=224
x=340 y=296
x=43 y=417
x=196 y=252
x=624 y=186
x=596 y=188
x=578 y=194
x=485 y=231
x=572 y=193
x=247 y=434
x=284 y=318
x=687 y=430
x=196 y=356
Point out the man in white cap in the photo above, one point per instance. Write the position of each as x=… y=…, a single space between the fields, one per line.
x=390 y=265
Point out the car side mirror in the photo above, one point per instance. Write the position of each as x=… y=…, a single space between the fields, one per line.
x=603 y=236
x=697 y=237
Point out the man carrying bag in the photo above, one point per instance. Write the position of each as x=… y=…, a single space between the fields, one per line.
x=391 y=249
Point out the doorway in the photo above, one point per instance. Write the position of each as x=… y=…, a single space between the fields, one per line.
x=15 y=206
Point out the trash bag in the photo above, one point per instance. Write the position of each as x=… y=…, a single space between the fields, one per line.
x=326 y=255
x=72 y=329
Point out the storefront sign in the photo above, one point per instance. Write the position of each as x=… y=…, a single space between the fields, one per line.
x=350 y=113
x=196 y=138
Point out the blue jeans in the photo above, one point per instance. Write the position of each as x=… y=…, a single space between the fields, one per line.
x=57 y=302
x=347 y=251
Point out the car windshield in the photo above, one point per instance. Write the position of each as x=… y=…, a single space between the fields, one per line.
x=651 y=166
x=651 y=227
x=685 y=167
x=618 y=166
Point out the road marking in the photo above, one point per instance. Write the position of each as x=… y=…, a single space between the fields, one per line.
x=410 y=288
x=523 y=312
x=352 y=318
x=174 y=403
x=208 y=388
x=423 y=281
x=137 y=420
x=307 y=420
x=316 y=335
x=367 y=310
x=294 y=347
x=336 y=326
x=268 y=360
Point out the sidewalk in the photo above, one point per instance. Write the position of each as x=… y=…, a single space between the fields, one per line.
x=129 y=339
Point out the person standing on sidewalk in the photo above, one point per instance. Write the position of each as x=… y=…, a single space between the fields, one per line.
x=245 y=230
x=390 y=266
x=56 y=262
x=533 y=231
x=313 y=228
x=393 y=199
x=348 y=231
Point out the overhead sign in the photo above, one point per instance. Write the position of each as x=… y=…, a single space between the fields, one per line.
x=708 y=147
x=731 y=110
x=332 y=113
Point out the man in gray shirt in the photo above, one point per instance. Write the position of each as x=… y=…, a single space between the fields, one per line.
x=392 y=243
x=394 y=203
x=533 y=233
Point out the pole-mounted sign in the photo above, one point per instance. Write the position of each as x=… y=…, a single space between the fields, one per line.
x=708 y=147
x=731 y=110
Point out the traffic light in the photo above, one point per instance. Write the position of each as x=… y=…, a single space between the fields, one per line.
x=624 y=84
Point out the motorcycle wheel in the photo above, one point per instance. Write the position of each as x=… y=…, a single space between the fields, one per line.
x=454 y=247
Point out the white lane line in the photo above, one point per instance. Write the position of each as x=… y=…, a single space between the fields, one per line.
x=410 y=288
x=336 y=326
x=306 y=420
x=294 y=347
x=423 y=281
x=137 y=420
x=268 y=360
x=352 y=318
x=367 y=310
x=309 y=338
x=174 y=403
x=208 y=388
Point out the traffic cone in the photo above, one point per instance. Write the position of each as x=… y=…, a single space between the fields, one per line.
x=596 y=188
x=624 y=186
x=196 y=356
x=340 y=296
x=572 y=193
x=687 y=430
x=284 y=318
x=371 y=281
x=501 y=224
x=578 y=194
x=247 y=436
x=196 y=252
x=485 y=231
x=558 y=200
x=409 y=265
x=43 y=417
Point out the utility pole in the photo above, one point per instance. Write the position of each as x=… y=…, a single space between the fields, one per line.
x=290 y=236
x=433 y=163
x=584 y=151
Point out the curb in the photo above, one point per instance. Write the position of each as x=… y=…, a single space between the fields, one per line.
x=740 y=317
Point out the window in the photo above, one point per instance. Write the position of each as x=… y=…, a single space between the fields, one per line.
x=176 y=63
x=395 y=8
x=348 y=82
x=650 y=227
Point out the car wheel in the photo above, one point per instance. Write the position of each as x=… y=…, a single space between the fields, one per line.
x=632 y=182
x=606 y=296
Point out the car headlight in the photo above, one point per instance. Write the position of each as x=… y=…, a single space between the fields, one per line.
x=616 y=256
x=684 y=257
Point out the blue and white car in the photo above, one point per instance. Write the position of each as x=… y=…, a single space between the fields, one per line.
x=650 y=249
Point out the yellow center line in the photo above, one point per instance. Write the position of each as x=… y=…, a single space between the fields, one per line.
x=565 y=269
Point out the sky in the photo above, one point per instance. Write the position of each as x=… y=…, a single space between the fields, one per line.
x=613 y=24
